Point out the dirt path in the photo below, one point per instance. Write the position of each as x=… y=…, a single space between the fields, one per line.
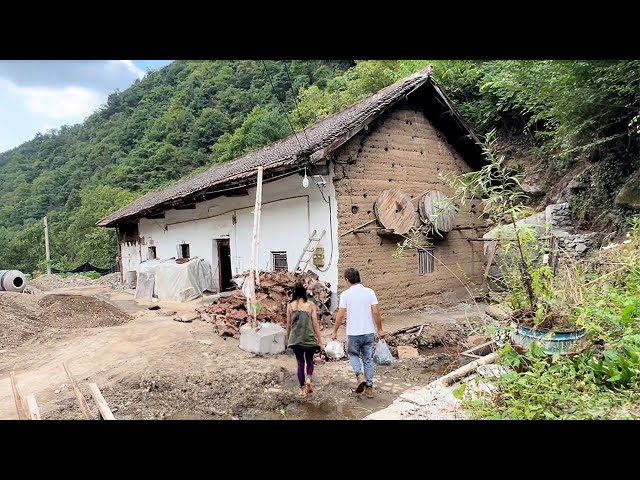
x=154 y=367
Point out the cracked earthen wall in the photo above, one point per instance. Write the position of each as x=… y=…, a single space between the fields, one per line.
x=402 y=151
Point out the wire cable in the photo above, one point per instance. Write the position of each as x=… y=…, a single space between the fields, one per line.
x=295 y=100
x=273 y=89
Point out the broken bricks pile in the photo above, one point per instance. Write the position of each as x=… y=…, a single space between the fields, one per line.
x=229 y=313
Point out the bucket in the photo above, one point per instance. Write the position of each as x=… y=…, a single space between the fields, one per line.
x=131 y=279
x=12 y=281
x=562 y=343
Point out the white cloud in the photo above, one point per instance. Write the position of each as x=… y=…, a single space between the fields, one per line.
x=132 y=68
x=67 y=102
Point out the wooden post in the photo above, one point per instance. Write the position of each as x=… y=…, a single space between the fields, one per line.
x=103 y=408
x=253 y=273
x=22 y=414
x=256 y=238
x=485 y=277
x=46 y=245
x=81 y=401
x=32 y=406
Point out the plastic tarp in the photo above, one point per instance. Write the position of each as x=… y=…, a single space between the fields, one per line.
x=179 y=282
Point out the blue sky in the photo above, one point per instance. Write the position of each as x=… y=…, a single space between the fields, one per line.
x=38 y=95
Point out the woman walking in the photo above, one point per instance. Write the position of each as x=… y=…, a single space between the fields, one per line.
x=303 y=333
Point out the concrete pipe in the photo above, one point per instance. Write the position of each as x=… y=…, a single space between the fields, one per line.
x=12 y=281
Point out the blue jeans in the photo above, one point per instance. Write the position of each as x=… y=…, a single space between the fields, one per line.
x=361 y=346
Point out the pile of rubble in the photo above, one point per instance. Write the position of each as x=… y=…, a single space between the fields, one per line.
x=229 y=313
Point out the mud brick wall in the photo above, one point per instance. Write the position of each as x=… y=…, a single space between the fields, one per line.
x=403 y=151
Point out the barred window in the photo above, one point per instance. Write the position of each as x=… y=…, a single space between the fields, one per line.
x=279 y=261
x=426 y=263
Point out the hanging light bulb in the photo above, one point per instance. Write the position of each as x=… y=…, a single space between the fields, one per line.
x=305 y=180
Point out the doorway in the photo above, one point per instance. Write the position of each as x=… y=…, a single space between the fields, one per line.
x=224 y=265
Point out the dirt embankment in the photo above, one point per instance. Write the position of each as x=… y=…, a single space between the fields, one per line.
x=25 y=317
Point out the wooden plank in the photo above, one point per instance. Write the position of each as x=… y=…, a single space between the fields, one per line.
x=84 y=407
x=32 y=406
x=103 y=408
x=22 y=414
x=395 y=210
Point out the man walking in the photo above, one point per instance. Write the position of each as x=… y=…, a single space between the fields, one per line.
x=359 y=305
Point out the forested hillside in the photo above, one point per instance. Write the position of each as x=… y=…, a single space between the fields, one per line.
x=573 y=126
x=184 y=117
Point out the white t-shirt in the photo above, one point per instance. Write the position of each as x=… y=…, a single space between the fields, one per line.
x=358 y=300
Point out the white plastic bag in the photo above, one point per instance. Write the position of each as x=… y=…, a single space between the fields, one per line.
x=382 y=354
x=334 y=350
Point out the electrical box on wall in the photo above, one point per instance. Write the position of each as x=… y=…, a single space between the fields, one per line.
x=318 y=257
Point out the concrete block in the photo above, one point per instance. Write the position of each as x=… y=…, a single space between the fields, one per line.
x=268 y=339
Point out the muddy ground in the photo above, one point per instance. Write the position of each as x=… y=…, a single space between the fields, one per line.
x=151 y=367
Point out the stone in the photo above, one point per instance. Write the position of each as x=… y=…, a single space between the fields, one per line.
x=188 y=317
x=206 y=342
x=581 y=248
x=407 y=352
x=476 y=340
x=498 y=312
x=56 y=391
x=629 y=194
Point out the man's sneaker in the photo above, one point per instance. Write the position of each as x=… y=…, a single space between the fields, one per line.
x=369 y=392
x=361 y=383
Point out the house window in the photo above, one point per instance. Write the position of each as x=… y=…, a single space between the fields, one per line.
x=426 y=262
x=151 y=253
x=183 y=251
x=279 y=261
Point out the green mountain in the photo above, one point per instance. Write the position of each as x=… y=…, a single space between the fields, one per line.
x=173 y=122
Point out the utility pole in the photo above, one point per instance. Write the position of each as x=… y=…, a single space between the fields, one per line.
x=46 y=245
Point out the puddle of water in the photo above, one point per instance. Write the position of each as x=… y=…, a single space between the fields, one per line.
x=325 y=410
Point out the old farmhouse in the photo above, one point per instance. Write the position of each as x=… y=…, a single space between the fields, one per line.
x=400 y=138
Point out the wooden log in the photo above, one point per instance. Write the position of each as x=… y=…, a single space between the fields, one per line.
x=395 y=210
x=103 y=408
x=406 y=329
x=22 y=414
x=32 y=406
x=84 y=407
x=462 y=372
